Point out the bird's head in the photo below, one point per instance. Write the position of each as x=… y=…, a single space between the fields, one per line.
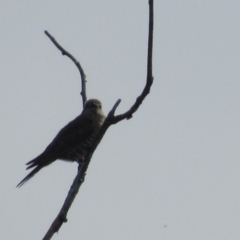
x=93 y=109
x=93 y=104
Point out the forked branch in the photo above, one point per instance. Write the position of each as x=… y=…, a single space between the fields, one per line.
x=111 y=119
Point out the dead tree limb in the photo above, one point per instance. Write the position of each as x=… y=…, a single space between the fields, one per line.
x=110 y=120
x=79 y=67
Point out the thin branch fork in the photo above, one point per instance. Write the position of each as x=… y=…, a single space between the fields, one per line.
x=110 y=120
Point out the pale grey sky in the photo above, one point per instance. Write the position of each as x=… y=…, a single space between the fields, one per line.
x=176 y=163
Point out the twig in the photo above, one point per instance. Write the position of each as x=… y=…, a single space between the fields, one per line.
x=82 y=74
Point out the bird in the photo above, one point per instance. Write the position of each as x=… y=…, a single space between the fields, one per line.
x=72 y=141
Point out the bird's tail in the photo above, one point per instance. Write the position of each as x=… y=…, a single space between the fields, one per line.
x=30 y=175
x=37 y=163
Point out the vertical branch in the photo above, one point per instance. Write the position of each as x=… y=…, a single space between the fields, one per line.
x=150 y=40
x=128 y=114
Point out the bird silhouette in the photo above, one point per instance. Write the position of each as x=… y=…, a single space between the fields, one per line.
x=72 y=141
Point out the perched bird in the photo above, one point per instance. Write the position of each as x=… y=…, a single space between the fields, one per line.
x=72 y=141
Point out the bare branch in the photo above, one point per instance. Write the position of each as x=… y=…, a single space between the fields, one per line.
x=82 y=74
x=111 y=119
x=146 y=90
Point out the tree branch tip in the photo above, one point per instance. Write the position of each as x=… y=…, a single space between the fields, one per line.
x=112 y=112
x=117 y=103
x=47 y=33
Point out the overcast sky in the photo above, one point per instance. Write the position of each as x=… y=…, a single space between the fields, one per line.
x=172 y=171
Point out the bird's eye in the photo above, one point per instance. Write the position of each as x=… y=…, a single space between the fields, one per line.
x=93 y=105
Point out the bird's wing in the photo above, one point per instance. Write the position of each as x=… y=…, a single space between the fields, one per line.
x=73 y=133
